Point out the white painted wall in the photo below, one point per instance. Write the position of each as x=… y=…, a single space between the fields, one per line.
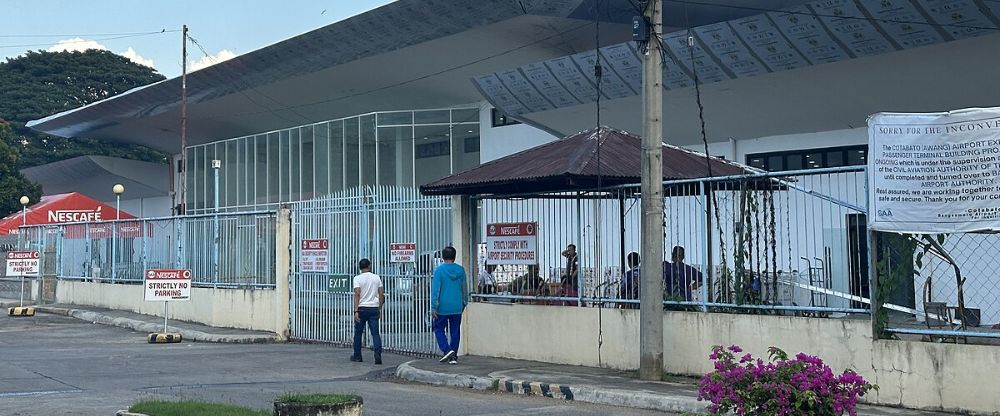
x=737 y=148
x=497 y=142
x=252 y=309
x=910 y=374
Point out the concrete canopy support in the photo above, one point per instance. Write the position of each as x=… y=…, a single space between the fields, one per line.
x=463 y=221
x=651 y=287
x=282 y=269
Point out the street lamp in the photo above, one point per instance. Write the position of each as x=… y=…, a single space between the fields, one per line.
x=118 y=189
x=24 y=210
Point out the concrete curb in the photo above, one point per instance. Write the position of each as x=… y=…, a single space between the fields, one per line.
x=140 y=326
x=583 y=393
x=408 y=372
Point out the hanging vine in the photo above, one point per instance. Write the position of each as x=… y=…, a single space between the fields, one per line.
x=774 y=247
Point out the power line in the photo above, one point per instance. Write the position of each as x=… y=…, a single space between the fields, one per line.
x=411 y=80
x=80 y=35
x=245 y=87
x=88 y=40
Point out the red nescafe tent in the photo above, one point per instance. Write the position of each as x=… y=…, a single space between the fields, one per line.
x=72 y=208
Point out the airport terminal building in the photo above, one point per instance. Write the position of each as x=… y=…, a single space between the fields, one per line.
x=327 y=136
x=418 y=89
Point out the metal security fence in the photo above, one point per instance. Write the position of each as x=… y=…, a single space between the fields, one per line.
x=224 y=250
x=942 y=288
x=783 y=242
x=362 y=223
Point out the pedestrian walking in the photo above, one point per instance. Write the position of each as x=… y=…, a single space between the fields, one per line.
x=369 y=296
x=449 y=295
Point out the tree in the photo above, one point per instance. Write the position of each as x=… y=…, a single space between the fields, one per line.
x=39 y=84
x=13 y=184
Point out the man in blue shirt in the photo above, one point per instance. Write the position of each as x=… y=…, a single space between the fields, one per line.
x=449 y=295
x=679 y=279
x=629 y=286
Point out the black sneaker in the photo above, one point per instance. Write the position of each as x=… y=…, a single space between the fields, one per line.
x=453 y=360
x=447 y=357
x=378 y=358
x=356 y=358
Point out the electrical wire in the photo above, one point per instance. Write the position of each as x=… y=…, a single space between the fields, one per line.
x=245 y=86
x=88 y=40
x=80 y=35
x=408 y=81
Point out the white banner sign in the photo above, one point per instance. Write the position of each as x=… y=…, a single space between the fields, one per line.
x=512 y=243
x=23 y=263
x=314 y=256
x=935 y=172
x=163 y=285
x=402 y=252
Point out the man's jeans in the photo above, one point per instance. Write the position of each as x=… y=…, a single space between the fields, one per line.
x=454 y=324
x=369 y=316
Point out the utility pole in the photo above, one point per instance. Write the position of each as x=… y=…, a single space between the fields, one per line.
x=184 y=162
x=651 y=287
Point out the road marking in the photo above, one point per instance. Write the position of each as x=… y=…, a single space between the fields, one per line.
x=39 y=393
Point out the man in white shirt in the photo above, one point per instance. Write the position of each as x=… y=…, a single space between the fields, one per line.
x=369 y=296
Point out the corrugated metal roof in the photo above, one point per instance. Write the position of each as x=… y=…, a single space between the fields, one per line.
x=594 y=158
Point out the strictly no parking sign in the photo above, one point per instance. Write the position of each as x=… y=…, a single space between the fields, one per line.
x=167 y=285
x=22 y=263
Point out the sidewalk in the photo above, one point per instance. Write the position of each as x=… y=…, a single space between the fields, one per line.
x=587 y=384
x=146 y=323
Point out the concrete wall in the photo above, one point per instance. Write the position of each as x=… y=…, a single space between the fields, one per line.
x=910 y=374
x=252 y=309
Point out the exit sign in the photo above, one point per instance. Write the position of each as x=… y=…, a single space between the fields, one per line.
x=339 y=284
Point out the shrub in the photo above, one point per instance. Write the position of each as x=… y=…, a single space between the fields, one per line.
x=783 y=386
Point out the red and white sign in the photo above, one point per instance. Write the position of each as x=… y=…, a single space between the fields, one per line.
x=402 y=252
x=512 y=243
x=315 y=256
x=23 y=263
x=62 y=209
x=164 y=285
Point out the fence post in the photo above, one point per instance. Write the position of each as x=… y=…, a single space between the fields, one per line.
x=47 y=290
x=283 y=266
x=708 y=265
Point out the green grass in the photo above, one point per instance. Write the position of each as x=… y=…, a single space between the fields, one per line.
x=192 y=408
x=315 y=398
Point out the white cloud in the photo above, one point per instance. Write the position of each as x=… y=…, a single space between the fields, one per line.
x=133 y=56
x=80 y=45
x=76 y=44
x=206 y=61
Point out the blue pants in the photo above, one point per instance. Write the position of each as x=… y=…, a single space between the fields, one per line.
x=369 y=316
x=454 y=324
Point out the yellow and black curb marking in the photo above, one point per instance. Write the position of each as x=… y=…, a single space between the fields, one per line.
x=21 y=311
x=530 y=388
x=164 y=338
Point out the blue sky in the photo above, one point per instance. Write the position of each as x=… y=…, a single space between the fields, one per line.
x=223 y=28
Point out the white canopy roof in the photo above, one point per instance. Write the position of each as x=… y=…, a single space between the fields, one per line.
x=407 y=54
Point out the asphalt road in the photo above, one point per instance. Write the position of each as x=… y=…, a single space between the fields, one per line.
x=54 y=365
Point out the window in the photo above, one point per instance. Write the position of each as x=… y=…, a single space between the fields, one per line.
x=809 y=159
x=500 y=119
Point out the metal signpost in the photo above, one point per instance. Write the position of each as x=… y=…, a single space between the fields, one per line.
x=167 y=285
x=23 y=263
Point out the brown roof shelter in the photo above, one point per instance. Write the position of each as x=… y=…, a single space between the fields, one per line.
x=589 y=161
x=594 y=159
